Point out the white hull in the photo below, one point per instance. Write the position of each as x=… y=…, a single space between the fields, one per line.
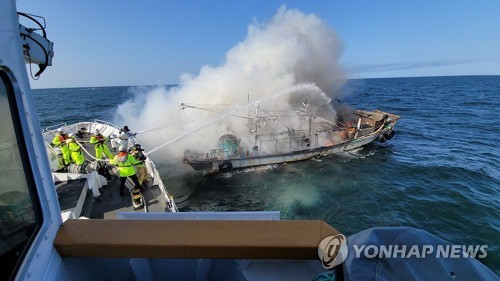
x=301 y=155
x=214 y=165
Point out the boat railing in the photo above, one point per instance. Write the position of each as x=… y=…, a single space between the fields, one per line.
x=294 y=143
x=106 y=129
x=364 y=132
x=106 y=123
x=219 y=153
x=53 y=127
x=190 y=155
x=172 y=207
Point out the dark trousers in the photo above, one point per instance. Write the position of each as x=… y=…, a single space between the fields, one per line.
x=133 y=178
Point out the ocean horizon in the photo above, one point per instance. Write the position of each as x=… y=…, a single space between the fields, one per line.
x=350 y=79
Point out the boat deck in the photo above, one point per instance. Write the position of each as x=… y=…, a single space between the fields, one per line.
x=76 y=200
x=110 y=202
x=74 y=196
x=68 y=193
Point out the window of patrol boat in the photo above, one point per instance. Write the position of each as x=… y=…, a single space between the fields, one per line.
x=20 y=217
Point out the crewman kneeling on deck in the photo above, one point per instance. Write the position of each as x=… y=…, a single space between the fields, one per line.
x=59 y=141
x=142 y=172
x=125 y=163
x=99 y=141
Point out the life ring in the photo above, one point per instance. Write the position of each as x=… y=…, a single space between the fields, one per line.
x=225 y=166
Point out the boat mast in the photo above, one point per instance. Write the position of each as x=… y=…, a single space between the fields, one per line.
x=306 y=106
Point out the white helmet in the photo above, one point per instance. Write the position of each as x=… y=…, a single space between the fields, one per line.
x=122 y=148
x=71 y=135
x=60 y=130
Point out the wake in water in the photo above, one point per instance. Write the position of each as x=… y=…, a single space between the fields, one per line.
x=253 y=170
x=357 y=153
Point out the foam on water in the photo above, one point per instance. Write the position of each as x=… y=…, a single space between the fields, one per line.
x=254 y=170
x=303 y=196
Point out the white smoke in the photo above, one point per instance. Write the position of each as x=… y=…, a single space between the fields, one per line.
x=293 y=52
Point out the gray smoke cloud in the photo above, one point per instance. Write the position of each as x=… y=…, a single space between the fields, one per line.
x=283 y=62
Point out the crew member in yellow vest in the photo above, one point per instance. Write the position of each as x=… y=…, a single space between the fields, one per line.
x=60 y=142
x=99 y=141
x=76 y=150
x=142 y=172
x=125 y=163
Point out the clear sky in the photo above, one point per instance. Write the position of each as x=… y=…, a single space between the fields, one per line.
x=153 y=42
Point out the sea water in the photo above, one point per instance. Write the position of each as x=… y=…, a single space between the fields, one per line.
x=440 y=172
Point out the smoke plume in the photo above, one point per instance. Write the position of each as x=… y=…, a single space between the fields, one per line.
x=282 y=64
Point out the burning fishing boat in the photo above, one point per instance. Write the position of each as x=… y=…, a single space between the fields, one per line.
x=301 y=128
